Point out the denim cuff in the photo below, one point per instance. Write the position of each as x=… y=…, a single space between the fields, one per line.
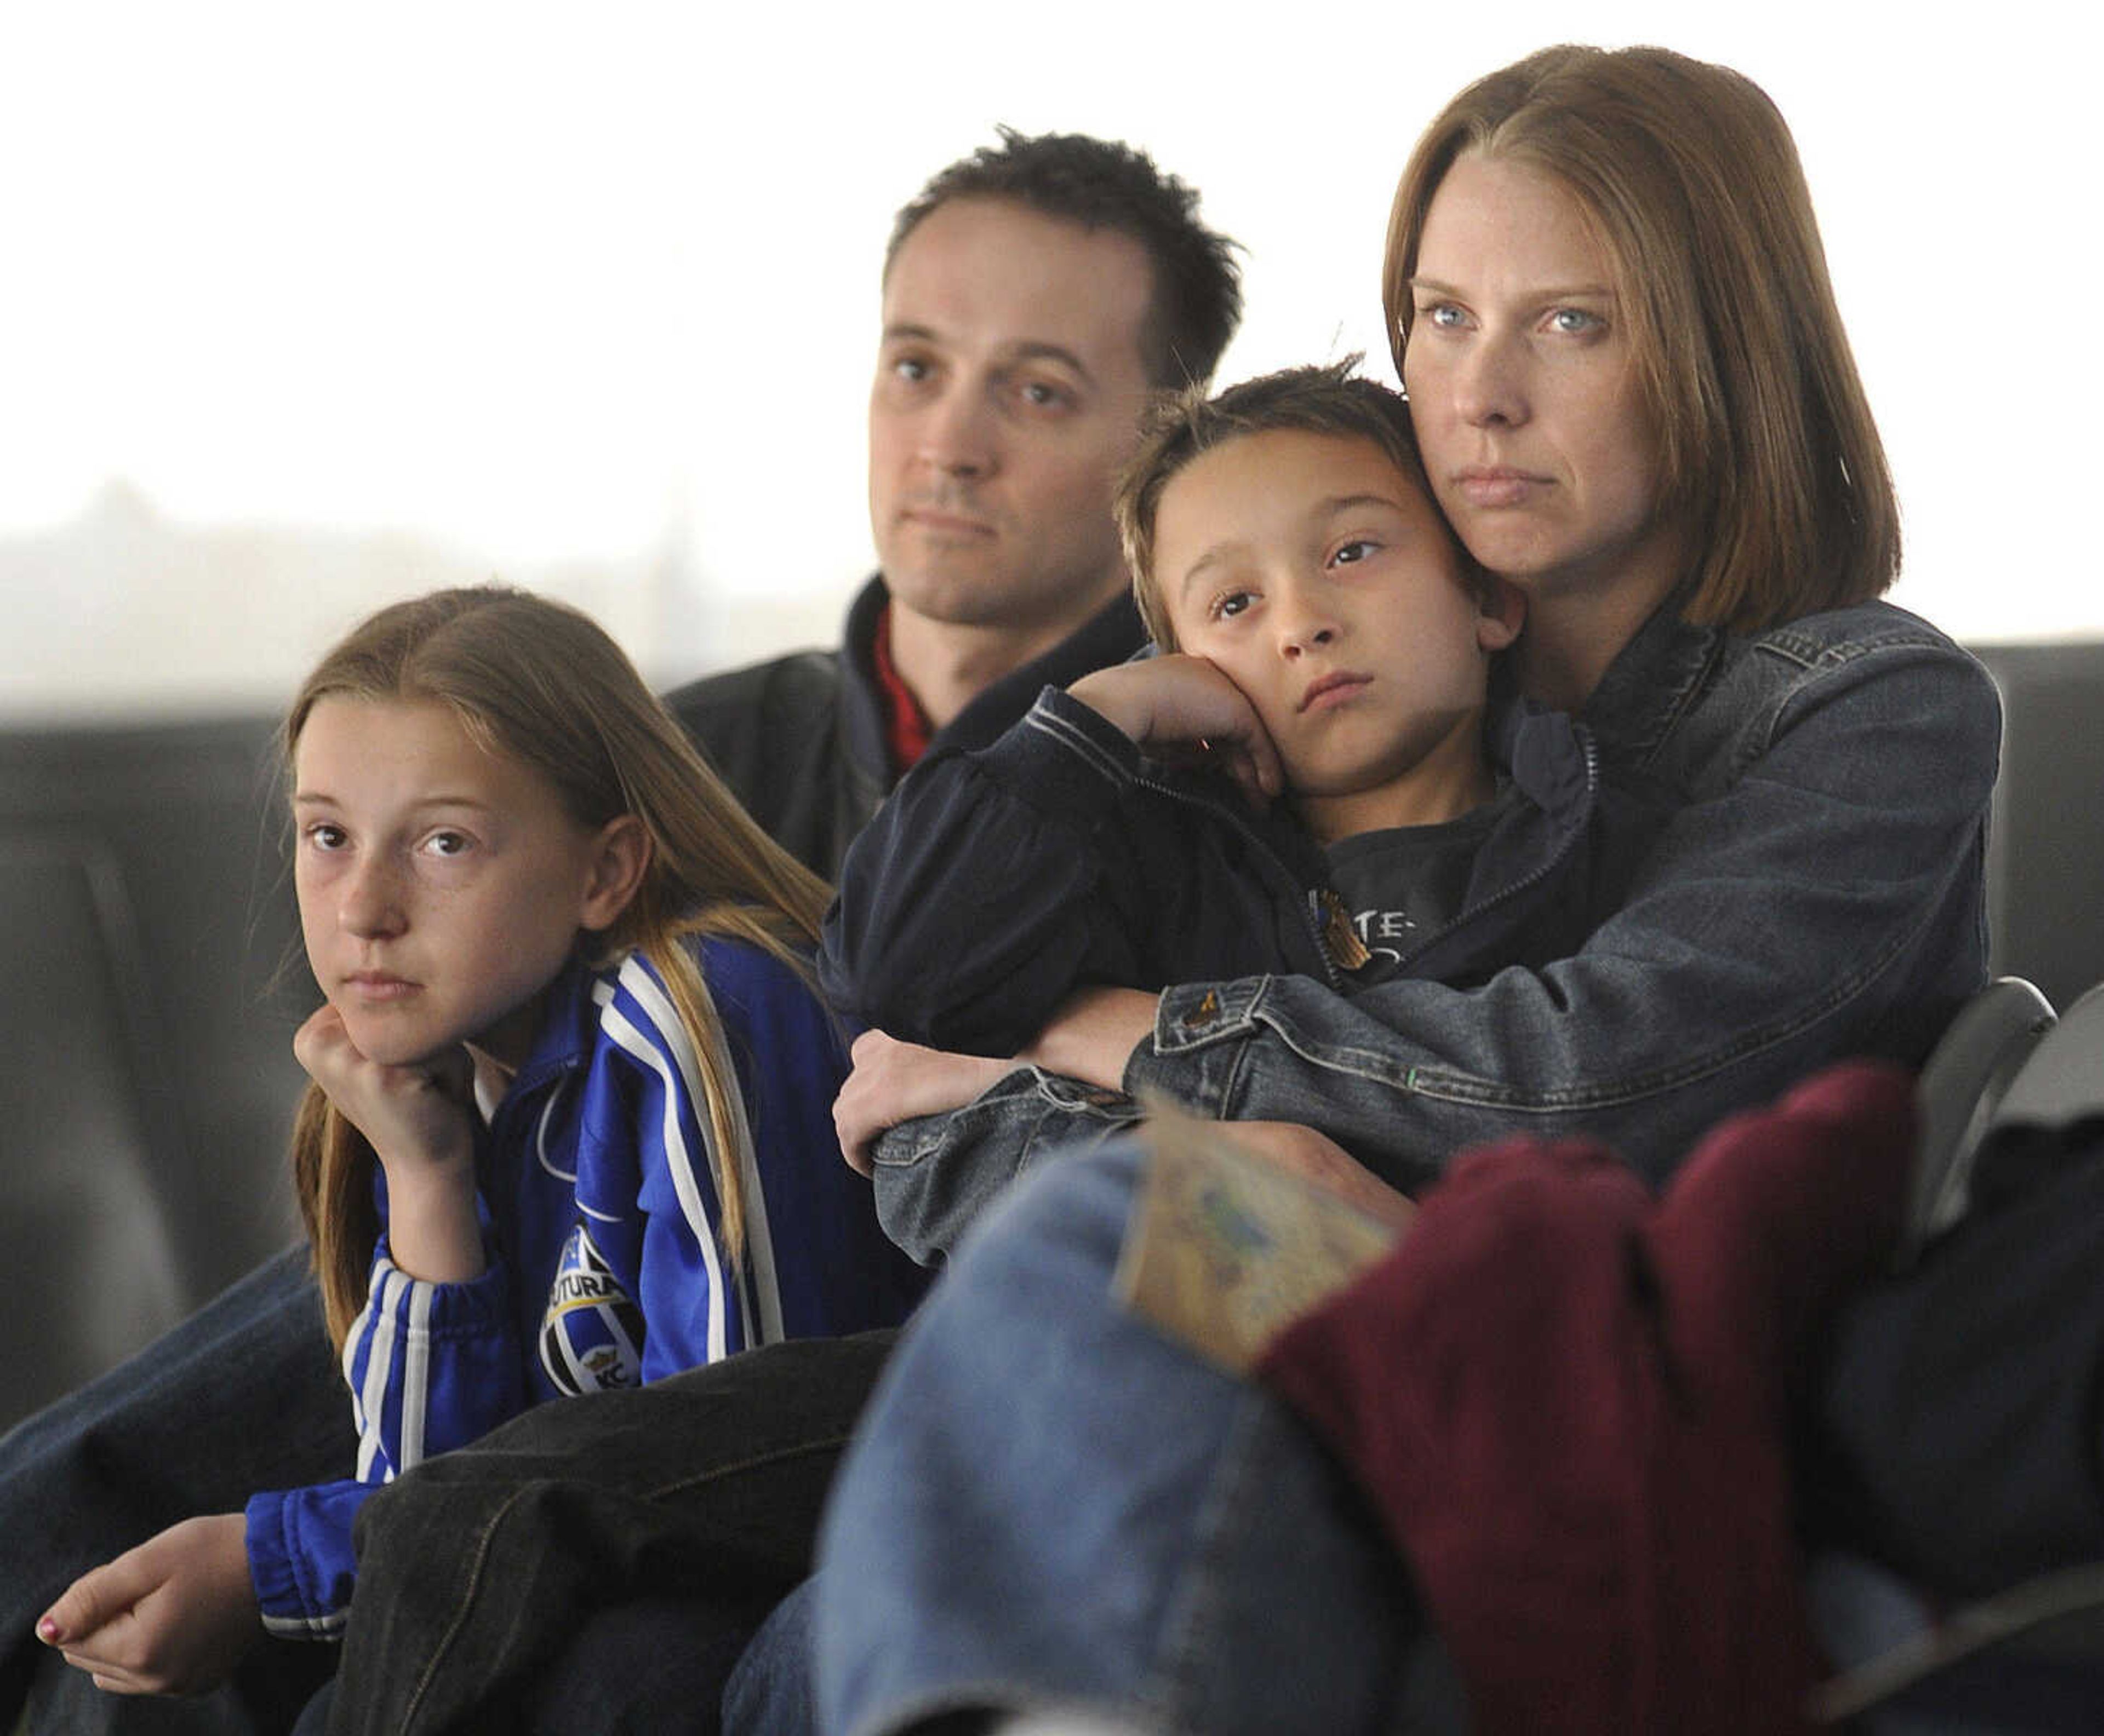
x=934 y=1176
x=1201 y=1031
x=1015 y=1101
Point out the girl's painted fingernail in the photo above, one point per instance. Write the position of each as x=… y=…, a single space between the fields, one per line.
x=48 y=1630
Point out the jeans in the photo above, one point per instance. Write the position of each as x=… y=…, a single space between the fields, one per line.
x=1049 y=1505
x=770 y=1693
x=608 y=1555
x=242 y=1396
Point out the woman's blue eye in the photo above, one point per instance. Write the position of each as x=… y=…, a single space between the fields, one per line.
x=1574 y=319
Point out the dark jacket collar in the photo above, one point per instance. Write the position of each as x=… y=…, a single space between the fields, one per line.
x=1542 y=755
x=863 y=732
x=1109 y=636
x=1653 y=682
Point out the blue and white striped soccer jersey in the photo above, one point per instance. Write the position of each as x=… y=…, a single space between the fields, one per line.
x=600 y=1206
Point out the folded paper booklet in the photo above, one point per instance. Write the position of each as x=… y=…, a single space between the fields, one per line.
x=1228 y=1242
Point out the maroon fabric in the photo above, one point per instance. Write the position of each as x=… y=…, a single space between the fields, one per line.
x=1569 y=1400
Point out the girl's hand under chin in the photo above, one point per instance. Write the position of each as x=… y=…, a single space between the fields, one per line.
x=413 y=1115
x=419 y=1120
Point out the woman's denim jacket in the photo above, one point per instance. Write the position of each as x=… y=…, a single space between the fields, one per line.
x=1815 y=890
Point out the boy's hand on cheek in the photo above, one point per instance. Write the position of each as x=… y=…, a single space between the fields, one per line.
x=1185 y=710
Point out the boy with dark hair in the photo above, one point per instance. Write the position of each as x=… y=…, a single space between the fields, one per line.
x=1309 y=779
x=1334 y=400
x=1266 y=499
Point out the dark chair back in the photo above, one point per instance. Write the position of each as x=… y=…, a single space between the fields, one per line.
x=146 y=1013
x=92 y=1271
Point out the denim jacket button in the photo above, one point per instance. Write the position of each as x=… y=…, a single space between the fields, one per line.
x=1203 y=1014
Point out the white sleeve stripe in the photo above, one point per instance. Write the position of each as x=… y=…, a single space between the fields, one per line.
x=353 y=1341
x=328 y=1627
x=416 y=1375
x=373 y=1393
x=761 y=1283
x=677 y=1076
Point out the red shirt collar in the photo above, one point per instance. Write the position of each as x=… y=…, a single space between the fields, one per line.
x=906 y=727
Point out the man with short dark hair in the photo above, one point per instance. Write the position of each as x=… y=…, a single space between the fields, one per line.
x=1033 y=293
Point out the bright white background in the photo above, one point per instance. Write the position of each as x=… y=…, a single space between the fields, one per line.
x=306 y=307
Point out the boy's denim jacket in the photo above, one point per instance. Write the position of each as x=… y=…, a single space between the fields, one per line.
x=1782 y=864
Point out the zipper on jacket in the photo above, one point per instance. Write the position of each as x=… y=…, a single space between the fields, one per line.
x=1310 y=902
x=1505 y=894
x=533 y=1091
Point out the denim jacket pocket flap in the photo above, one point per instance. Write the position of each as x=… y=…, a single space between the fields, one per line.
x=1195 y=1014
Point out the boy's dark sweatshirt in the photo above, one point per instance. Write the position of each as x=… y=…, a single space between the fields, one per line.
x=993 y=884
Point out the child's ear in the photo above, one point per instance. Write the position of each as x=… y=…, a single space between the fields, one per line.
x=1500 y=612
x=620 y=857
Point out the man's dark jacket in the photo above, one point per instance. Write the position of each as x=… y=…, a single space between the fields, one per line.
x=801 y=739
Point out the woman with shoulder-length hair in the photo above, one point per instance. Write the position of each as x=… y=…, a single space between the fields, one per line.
x=1637 y=403
x=1768 y=460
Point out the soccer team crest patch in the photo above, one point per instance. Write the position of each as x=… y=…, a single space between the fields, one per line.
x=591 y=1337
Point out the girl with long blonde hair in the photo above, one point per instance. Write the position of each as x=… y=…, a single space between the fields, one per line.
x=568 y=1125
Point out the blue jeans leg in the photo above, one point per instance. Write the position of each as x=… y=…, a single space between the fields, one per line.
x=244 y=1395
x=1048 y=1504
x=771 y=1693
